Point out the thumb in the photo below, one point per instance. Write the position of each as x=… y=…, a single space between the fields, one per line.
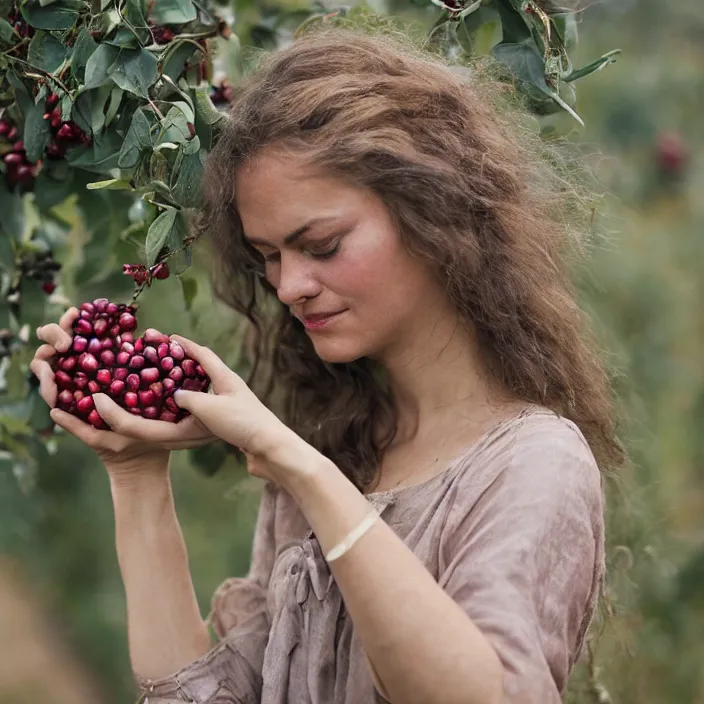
x=194 y=401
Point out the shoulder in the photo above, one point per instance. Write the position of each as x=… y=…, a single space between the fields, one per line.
x=539 y=464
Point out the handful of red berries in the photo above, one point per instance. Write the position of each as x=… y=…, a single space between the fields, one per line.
x=141 y=375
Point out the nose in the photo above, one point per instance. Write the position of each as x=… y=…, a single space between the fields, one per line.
x=295 y=280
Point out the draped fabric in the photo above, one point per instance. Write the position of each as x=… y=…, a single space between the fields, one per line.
x=512 y=529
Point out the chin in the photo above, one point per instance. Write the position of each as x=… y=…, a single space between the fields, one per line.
x=336 y=353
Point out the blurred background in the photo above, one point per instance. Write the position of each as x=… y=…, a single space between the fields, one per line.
x=62 y=609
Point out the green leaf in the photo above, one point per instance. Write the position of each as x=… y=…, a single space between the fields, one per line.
x=7 y=34
x=83 y=49
x=37 y=133
x=115 y=102
x=174 y=12
x=190 y=290
x=187 y=187
x=159 y=233
x=98 y=65
x=24 y=99
x=46 y=52
x=135 y=70
x=12 y=221
x=597 y=65
x=99 y=97
x=526 y=64
x=137 y=139
x=50 y=17
x=50 y=191
x=175 y=127
x=174 y=63
x=111 y=184
x=205 y=110
x=99 y=157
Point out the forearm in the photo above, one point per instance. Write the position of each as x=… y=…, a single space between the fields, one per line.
x=165 y=627
x=423 y=646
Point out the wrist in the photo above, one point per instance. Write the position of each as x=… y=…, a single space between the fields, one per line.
x=304 y=468
x=146 y=471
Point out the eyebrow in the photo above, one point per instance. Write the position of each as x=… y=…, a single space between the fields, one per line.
x=293 y=237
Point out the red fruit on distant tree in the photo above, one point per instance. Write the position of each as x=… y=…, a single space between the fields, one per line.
x=133 y=372
x=672 y=153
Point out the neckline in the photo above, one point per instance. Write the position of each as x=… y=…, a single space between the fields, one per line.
x=455 y=461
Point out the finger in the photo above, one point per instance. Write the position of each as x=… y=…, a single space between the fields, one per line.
x=66 y=320
x=94 y=438
x=55 y=336
x=152 y=431
x=223 y=379
x=45 y=352
x=47 y=385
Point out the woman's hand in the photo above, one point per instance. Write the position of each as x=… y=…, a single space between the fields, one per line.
x=234 y=413
x=133 y=443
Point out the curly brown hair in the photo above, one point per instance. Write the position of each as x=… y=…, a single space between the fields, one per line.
x=474 y=191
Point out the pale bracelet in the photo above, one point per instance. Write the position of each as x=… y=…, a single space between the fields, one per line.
x=352 y=537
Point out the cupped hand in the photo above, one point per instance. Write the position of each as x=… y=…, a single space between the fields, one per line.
x=132 y=442
x=234 y=413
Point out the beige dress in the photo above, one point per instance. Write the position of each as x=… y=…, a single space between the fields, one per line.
x=512 y=530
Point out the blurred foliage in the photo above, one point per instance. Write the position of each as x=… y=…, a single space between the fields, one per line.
x=643 y=287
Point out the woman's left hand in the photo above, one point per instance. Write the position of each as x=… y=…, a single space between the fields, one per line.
x=232 y=412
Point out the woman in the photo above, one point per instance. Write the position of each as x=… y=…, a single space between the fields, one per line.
x=399 y=246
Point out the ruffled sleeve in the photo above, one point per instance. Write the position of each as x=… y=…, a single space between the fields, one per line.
x=526 y=560
x=231 y=672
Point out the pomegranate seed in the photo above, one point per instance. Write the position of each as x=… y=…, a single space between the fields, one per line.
x=63 y=380
x=85 y=405
x=152 y=336
x=101 y=304
x=137 y=362
x=139 y=345
x=176 y=374
x=68 y=363
x=107 y=357
x=103 y=376
x=123 y=358
x=131 y=399
x=127 y=322
x=117 y=387
x=135 y=411
x=149 y=375
x=169 y=386
x=150 y=412
x=112 y=309
x=177 y=352
x=100 y=327
x=168 y=416
x=189 y=367
x=79 y=344
x=162 y=350
x=93 y=387
x=108 y=343
x=147 y=398
x=150 y=354
x=158 y=388
x=94 y=347
x=127 y=337
x=121 y=374
x=127 y=347
x=167 y=364
x=65 y=399
x=88 y=363
x=84 y=327
x=87 y=308
x=115 y=331
x=171 y=404
x=77 y=396
x=96 y=421
x=133 y=381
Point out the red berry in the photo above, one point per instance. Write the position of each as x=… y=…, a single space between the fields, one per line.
x=48 y=287
x=131 y=399
x=133 y=381
x=85 y=405
x=127 y=322
x=161 y=271
x=103 y=376
x=12 y=134
x=95 y=420
x=116 y=388
x=13 y=158
x=94 y=387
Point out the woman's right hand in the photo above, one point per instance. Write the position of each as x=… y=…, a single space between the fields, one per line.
x=123 y=456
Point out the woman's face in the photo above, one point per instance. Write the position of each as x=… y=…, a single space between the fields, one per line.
x=332 y=248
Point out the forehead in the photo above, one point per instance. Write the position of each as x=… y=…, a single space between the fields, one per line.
x=276 y=193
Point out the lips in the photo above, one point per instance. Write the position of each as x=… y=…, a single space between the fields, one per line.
x=319 y=320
